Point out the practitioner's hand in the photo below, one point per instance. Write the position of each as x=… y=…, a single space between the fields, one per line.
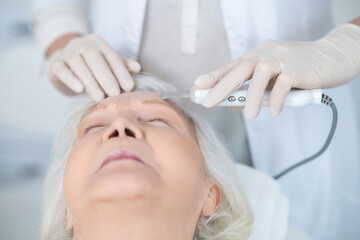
x=327 y=62
x=89 y=62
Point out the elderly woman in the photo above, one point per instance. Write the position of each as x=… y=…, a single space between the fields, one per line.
x=137 y=167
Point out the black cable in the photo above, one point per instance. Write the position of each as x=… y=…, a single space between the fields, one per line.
x=328 y=101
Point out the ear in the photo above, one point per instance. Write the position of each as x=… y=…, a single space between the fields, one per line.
x=212 y=199
x=69 y=224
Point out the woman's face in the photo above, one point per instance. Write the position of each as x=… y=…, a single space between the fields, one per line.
x=136 y=147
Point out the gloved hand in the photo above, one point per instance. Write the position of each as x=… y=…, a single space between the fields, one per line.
x=89 y=62
x=327 y=62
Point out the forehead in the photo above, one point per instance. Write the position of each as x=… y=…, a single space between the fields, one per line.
x=135 y=98
x=123 y=99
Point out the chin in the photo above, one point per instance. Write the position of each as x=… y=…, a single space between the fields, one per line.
x=122 y=181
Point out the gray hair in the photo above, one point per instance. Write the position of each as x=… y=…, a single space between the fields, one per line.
x=232 y=220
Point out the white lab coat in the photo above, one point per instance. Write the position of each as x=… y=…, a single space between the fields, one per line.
x=324 y=195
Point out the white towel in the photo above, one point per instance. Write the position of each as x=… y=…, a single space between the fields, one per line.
x=269 y=205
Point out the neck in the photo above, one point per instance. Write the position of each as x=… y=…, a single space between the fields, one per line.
x=134 y=222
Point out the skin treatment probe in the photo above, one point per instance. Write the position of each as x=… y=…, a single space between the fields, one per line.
x=295 y=98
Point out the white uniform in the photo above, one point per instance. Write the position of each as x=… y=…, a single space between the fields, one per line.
x=324 y=195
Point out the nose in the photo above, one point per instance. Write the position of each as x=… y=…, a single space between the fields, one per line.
x=124 y=126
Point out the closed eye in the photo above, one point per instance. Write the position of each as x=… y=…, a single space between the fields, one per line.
x=160 y=120
x=92 y=127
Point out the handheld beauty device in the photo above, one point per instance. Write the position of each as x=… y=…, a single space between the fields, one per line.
x=295 y=98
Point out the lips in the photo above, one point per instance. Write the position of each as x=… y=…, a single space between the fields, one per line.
x=119 y=155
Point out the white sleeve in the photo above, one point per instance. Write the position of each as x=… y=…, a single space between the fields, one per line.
x=53 y=19
x=268 y=203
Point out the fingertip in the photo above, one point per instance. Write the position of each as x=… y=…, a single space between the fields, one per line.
x=202 y=81
x=77 y=87
x=98 y=97
x=249 y=114
x=206 y=105
x=114 y=91
x=208 y=102
x=274 y=113
x=128 y=85
x=235 y=108
x=133 y=66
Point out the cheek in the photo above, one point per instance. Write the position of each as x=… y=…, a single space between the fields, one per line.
x=181 y=166
x=77 y=170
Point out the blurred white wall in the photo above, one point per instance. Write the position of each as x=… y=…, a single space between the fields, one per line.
x=344 y=11
x=30 y=112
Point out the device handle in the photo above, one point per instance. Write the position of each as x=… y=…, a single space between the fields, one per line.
x=295 y=98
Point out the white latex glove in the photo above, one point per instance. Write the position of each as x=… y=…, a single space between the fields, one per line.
x=327 y=62
x=89 y=62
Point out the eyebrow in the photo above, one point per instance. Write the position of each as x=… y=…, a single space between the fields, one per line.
x=159 y=102
x=166 y=103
